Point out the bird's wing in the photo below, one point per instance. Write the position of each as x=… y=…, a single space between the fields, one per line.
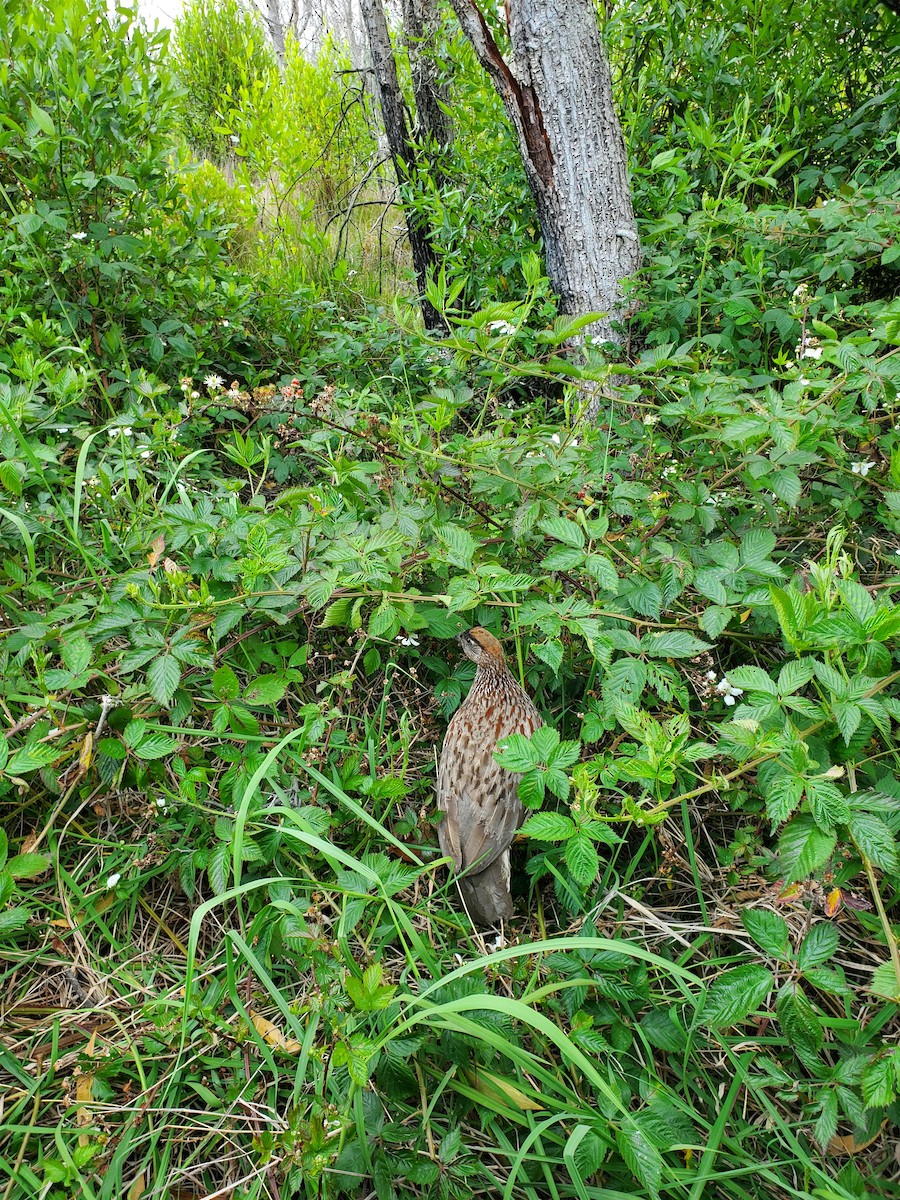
x=480 y=800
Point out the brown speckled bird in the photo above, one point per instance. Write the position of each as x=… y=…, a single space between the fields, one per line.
x=478 y=797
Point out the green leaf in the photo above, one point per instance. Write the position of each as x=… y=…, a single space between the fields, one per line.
x=218 y=869
x=163 y=677
x=818 y=946
x=798 y=1019
x=515 y=753
x=641 y=1157
x=885 y=983
x=752 y=679
x=264 y=690
x=225 y=684
x=43 y=120
x=543 y=742
x=826 y=1125
x=735 y=994
x=76 y=654
x=337 y=613
x=582 y=859
x=672 y=644
x=768 y=930
x=11 y=920
x=564 y=530
x=28 y=866
x=550 y=652
x=714 y=619
x=601 y=569
x=531 y=789
x=828 y=805
x=874 y=840
x=879 y=1080
x=157 y=745
x=783 y=796
x=549 y=827
x=794 y=675
x=31 y=758
x=803 y=847
x=461 y=546
x=786 y=485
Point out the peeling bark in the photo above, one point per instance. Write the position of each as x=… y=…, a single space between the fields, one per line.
x=433 y=128
x=557 y=91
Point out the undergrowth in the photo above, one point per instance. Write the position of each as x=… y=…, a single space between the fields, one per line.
x=242 y=520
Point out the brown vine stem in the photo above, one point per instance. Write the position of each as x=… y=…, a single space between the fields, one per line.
x=716 y=784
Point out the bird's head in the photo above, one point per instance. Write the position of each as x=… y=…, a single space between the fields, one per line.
x=482 y=647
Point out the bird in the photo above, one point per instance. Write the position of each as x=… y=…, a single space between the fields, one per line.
x=479 y=798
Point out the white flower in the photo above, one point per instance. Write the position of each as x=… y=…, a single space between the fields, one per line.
x=63 y=429
x=554 y=438
x=146 y=454
x=195 y=395
x=811 y=352
x=79 y=237
x=161 y=802
x=801 y=291
x=728 y=693
x=127 y=431
x=650 y=419
x=214 y=383
x=224 y=324
x=861 y=468
x=113 y=879
x=408 y=640
x=503 y=327
x=710 y=675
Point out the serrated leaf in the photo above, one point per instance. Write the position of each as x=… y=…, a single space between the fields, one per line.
x=798 y=1019
x=601 y=569
x=157 y=745
x=461 y=546
x=794 y=675
x=672 y=644
x=641 y=1157
x=768 y=930
x=264 y=690
x=714 y=619
x=218 y=869
x=752 y=679
x=564 y=530
x=531 y=789
x=827 y=804
x=803 y=847
x=550 y=652
x=31 y=758
x=28 y=866
x=225 y=684
x=582 y=859
x=13 y=919
x=76 y=654
x=543 y=742
x=338 y=613
x=818 y=946
x=885 y=983
x=783 y=795
x=735 y=994
x=874 y=840
x=549 y=827
x=163 y=677
x=515 y=753
x=879 y=1081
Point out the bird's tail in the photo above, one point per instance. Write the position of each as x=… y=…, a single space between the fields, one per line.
x=486 y=895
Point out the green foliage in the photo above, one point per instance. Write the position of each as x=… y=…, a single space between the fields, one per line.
x=226 y=653
x=219 y=51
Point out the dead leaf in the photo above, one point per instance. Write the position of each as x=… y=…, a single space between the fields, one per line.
x=157 y=546
x=273 y=1036
x=87 y=751
x=137 y=1189
x=849 y=1145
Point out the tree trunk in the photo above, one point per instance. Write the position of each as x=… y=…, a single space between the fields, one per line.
x=394 y=117
x=433 y=128
x=558 y=95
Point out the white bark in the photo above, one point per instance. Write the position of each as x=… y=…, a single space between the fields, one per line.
x=558 y=94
